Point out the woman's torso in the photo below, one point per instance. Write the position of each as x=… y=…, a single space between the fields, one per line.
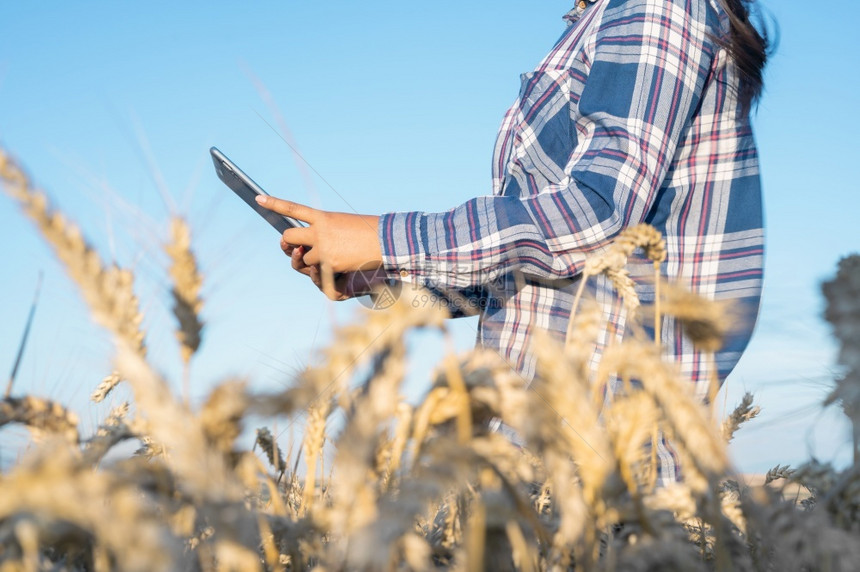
x=708 y=206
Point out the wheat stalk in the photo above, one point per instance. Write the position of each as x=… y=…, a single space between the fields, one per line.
x=354 y=486
x=628 y=422
x=312 y=446
x=353 y=346
x=467 y=497
x=686 y=416
x=706 y=322
x=113 y=430
x=565 y=424
x=108 y=291
x=222 y=413
x=395 y=447
x=843 y=313
x=57 y=486
x=187 y=282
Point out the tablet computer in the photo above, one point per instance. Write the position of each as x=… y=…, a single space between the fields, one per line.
x=247 y=189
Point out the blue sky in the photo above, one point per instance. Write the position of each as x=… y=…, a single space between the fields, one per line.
x=396 y=105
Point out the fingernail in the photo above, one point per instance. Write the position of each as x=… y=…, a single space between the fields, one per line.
x=261 y=199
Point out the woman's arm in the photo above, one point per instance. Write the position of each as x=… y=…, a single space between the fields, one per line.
x=647 y=65
x=356 y=258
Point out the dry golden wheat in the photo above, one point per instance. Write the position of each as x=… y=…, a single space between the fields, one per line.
x=778 y=472
x=487 y=472
x=112 y=431
x=222 y=414
x=843 y=313
x=66 y=500
x=40 y=415
x=706 y=322
x=685 y=416
x=107 y=290
x=613 y=259
x=187 y=282
x=107 y=385
x=266 y=441
x=745 y=411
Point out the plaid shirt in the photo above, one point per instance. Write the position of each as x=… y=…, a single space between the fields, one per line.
x=631 y=117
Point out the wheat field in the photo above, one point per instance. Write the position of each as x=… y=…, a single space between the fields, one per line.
x=421 y=487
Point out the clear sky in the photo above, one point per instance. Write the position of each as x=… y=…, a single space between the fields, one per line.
x=396 y=106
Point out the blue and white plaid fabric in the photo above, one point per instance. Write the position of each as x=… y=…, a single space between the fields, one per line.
x=631 y=117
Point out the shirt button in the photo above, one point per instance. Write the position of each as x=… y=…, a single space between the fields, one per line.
x=404 y=273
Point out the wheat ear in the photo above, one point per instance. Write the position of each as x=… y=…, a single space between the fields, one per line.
x=744 y=412
x=56 y=485
x=565 y=425
x=267 y=443
x=40 y=415
x=222 y=413
x=103 y=389
x=108 y=291
x=613 y=259
x=687 y=418
x=187 y=303
x=112 y=431
x=355 y=487
x=312 y=446
x=843 y=313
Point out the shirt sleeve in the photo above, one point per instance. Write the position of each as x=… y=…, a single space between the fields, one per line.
x=644 y=70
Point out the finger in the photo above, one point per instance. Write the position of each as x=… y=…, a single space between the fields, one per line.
x=297 y=262
x=311 y=257
x=316 y=276
x=288 y=208
x=287 y=247
x=304 y=236
x=296 y=258
x=328 y=283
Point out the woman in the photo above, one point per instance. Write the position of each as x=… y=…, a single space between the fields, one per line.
x=639 y=113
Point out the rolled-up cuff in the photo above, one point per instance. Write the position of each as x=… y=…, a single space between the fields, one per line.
x=411 y=244
x=423 y=248
x=404 y=254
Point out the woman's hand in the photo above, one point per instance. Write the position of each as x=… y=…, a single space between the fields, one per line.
x=344 y=242
x=331 y=248
x=337 y=287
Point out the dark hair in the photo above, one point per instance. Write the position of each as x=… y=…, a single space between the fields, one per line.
x=749 y=47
